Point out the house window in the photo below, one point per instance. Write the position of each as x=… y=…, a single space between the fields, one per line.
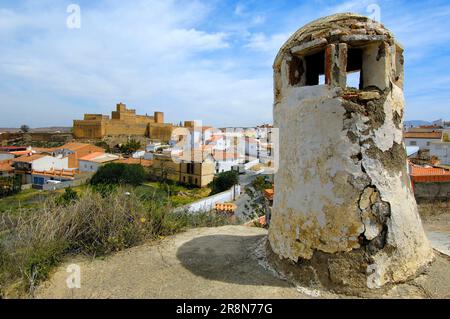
x=322 y=79
x=413 y=143
x=315 y=68
x=428 y=143
x=38 y=181
x=354 y=67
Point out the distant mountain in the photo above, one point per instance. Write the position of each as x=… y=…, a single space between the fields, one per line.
x=415 y=123
x=62 y=129
x=52 y=129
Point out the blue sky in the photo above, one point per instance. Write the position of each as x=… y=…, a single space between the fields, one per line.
x=204 y=60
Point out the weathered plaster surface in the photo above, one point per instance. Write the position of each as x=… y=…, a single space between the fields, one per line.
x=342 y=188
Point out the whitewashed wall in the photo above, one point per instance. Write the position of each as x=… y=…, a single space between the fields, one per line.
x=49 y=162
x=207 y=204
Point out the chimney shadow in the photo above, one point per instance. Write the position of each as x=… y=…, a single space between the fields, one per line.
x=228 y=259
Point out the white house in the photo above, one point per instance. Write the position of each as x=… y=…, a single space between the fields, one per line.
x=153 y=147
x=263 y=132
x=149 y=156
x=442 y=151
x=55 y=176
x=138 y=154
x=265 y=152
x=220 y=142
x=40 y=162
x=422 y=139
x=224 y=161
x=25 y=165
x=92 y=162
x=252 y=147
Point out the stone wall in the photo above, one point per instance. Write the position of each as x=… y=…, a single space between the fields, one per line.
x=123 y=121
x=432 y=191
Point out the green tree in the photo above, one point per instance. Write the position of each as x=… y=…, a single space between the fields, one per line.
x=131 y=146
x=69 y=196
x=10 y=185
x=224 y=181
x=119 y=173
x=104 y=145
x=25 y=128
x=446 y=138
x=260 y=184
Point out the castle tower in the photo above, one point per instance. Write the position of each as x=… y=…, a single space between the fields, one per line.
x=159 y=117
x=344 y=206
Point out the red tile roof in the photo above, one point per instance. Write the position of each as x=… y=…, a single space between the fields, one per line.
x=225 y=207
x=45 y=149
x=29 y=159
x=143 y=162
x=17 y=153
x=268 y=193
x=91 y=156
x=73 y=146
x=429 y=135
x=5 y=166
x=421 y=174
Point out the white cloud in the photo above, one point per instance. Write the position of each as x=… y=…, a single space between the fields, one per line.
x=351 y=6
x=262 y=42
x=259 y=19
x=239 y=9
x=148 y=54
x=159 y=55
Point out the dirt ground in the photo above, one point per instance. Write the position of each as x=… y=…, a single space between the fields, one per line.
x=223 y=262
x=200 y=263
x=436 y=221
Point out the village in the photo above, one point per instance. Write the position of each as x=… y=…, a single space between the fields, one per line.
x=189 y=154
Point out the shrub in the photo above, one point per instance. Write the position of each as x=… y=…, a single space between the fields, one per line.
x=119 y=173
x=257 y=203
x=25 y=128
x=36 y=240
x=68 y=196
x=445 y=137
x=104 y=145
x=260 y=184
x=10 y=185
x=224 y=181
x=131 y=146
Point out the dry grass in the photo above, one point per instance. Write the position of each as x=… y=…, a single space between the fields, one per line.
x=33 y=242
x=429 y=209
